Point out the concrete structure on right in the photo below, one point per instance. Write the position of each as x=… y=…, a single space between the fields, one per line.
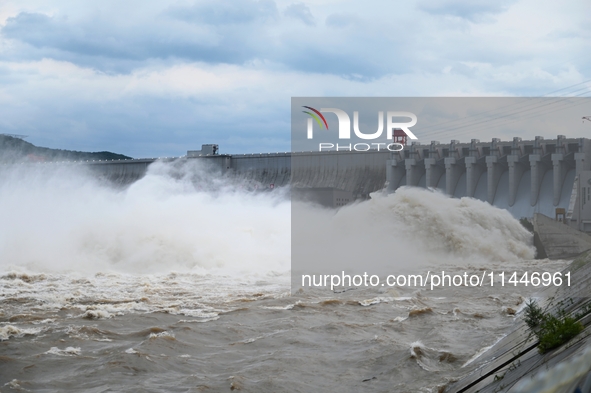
x=524 y=177
x=578 y=214
x=558 y=241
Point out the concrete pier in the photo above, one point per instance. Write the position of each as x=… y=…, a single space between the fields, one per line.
x=524 y=177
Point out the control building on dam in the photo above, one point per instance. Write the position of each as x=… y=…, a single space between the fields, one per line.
x=524 y=177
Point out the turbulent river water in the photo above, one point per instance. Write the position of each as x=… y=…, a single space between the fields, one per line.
x=181 y=283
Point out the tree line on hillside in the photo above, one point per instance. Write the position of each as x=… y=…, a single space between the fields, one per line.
x=14 y=149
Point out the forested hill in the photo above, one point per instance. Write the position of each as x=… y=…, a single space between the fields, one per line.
x=13 y=149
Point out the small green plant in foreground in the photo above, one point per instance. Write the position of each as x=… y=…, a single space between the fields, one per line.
x=533 y=314
x=551 y=330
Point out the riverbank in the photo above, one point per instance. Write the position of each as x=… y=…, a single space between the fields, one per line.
x=515 y=364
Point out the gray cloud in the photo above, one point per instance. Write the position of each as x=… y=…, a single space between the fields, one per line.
x=44 y=32
x=341 y=20
x=301 y=12
x=102 y=45
x=217 y=32
x=223 y=12
x=474 y=10
x=146 y=126
x=361 y=43
x=99 y=77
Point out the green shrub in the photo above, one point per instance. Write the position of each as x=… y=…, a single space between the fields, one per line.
x=557 y=331
x=551 y=330
x=534 y=314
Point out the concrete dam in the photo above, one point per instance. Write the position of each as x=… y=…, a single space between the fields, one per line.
x=524 y=177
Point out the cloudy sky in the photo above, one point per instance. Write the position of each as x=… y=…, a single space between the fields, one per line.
x=157 y=78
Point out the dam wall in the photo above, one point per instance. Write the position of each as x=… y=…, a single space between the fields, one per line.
x=524 y=177
x=360 y=173
x=268 y=170
x=120 y=171
x=357 y=172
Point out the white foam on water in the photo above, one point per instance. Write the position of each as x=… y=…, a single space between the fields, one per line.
x=416 y=349
x=165 y=334
x=68 y=351
x=179 y=218
x=288 y=307
x=97 y=314
x=463 y=227
x=176 y=218
x=376 y=300
x=10 y=331
x=399 y=235
x=15 y=384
